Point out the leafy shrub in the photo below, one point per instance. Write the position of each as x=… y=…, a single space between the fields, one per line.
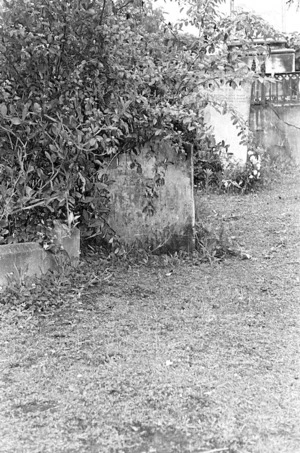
x=80 y=83
x=216 y=169
x=208 y=166
x=243 y=179
x=83 y=81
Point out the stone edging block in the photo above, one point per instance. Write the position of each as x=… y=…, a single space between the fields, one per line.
x=23 y=260
x=27 y=259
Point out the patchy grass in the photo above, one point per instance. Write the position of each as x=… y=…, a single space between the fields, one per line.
x=177 y=356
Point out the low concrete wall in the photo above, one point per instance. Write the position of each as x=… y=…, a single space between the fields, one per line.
x=152 y=198
x=277 y=129
x=18 y=261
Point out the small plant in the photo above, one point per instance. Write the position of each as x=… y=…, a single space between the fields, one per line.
x=208 y=164
x=215 y=244
x=244 y=178
x=237 y=178
x=216 y=168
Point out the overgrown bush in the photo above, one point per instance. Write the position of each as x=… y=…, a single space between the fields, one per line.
x=243 y=178
x=216 y=169
x=208 y=166
x=82 y=81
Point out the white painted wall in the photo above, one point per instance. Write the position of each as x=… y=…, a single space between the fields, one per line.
x=221 y=124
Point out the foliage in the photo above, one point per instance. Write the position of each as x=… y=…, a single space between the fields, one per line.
x=208 y=166
x=243 y=178
x=83 y=81
x=293 y=2
x=219 y=172
x=293 y=40
x=215 y=169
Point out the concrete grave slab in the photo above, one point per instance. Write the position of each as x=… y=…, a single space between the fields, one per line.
x=152 y=198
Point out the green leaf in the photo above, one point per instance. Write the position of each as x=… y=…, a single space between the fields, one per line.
x=93 y=142
x=24 y=112
x=3 y=109
x=48 y=156
x=36 y=107
x=16 y=121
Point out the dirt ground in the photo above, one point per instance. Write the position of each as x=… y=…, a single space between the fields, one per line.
x=176 y=356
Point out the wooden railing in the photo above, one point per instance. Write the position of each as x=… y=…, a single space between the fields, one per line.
x=285 y=90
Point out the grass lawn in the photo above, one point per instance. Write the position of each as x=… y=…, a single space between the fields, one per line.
x=174 y=356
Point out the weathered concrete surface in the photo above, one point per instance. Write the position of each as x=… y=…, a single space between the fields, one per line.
x=69 y=240
x=152 y=199
x=222 y=126
x=19 y=261
x=275 y=58
x=278 y=61
x=277 y=129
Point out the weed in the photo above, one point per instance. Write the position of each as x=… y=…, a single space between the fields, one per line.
x=208 y=166
x=217 y=171
x=216 y=244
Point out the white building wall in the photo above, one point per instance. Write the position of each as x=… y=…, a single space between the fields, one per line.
x=222 y=126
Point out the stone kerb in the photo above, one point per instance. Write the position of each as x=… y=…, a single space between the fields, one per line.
x=18 y=261
x=28 y=259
